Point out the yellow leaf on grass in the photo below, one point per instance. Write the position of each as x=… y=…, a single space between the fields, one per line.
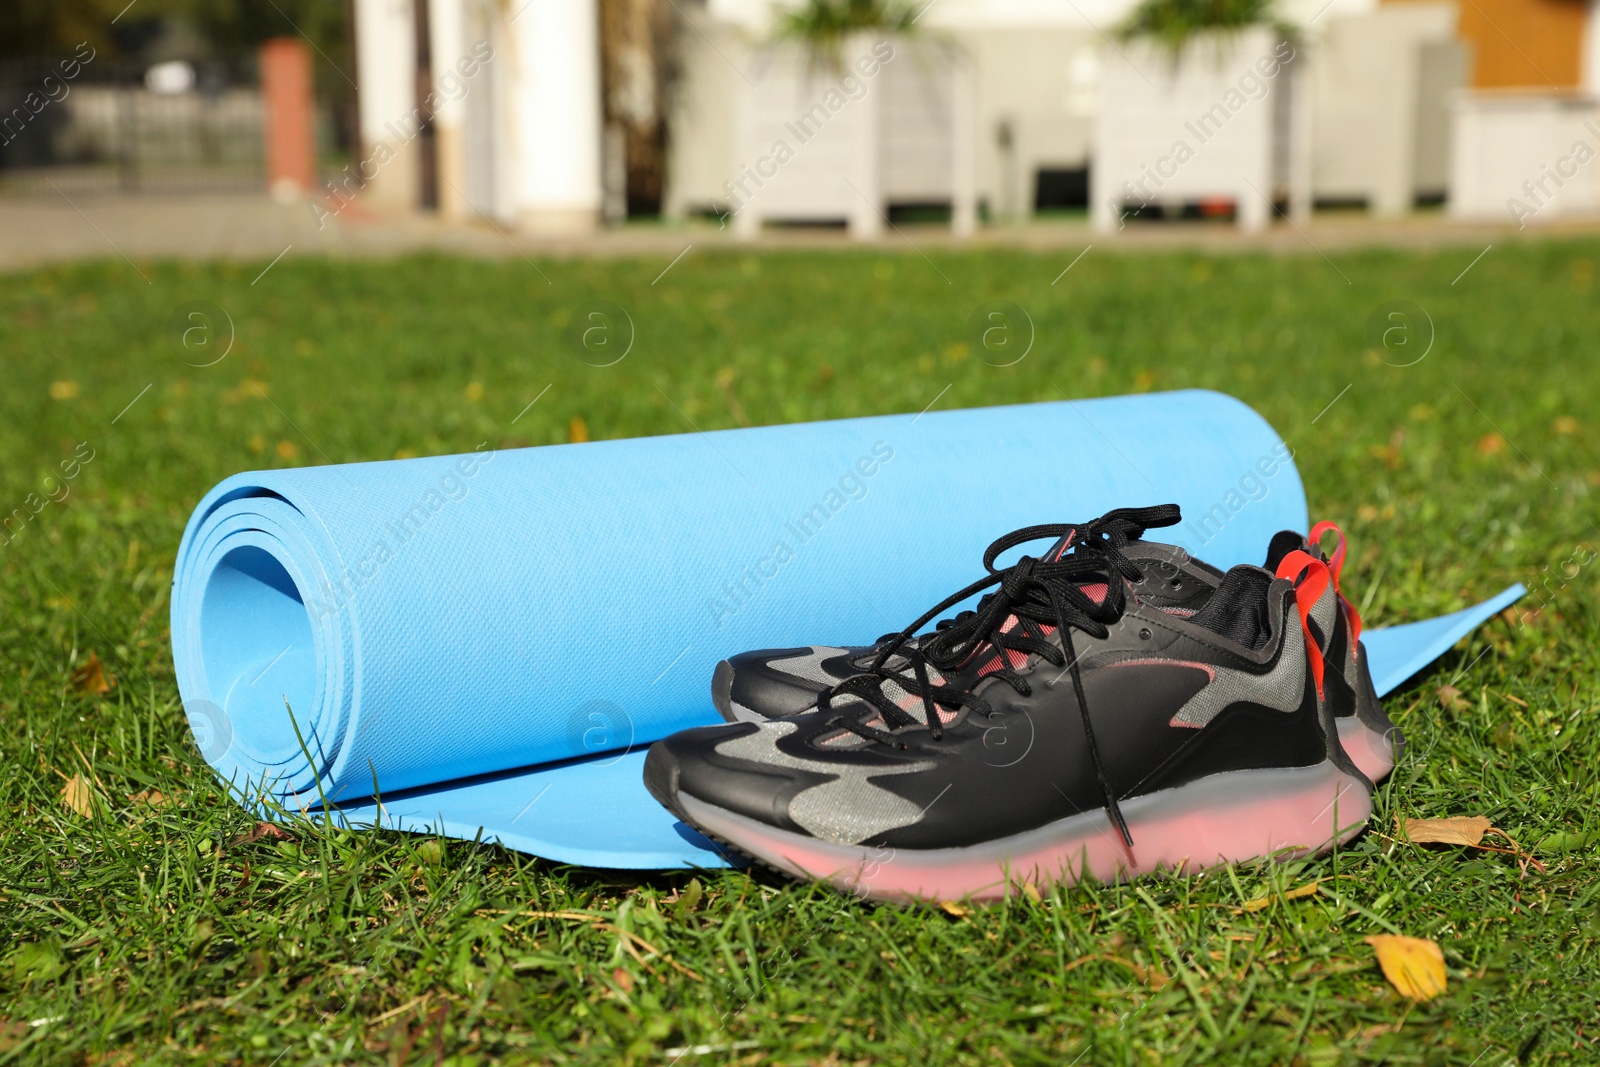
x=1461 y=830
x=1307 y=890
x=78 y=796
x=959 y=911
x=154 y=798
x=1413 y=965
x=577 y=430
x=1150 y=976
x=90 y=677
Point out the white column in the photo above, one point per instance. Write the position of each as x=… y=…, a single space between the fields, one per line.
x=447 y=36
x=555 y=102
x=386 y=59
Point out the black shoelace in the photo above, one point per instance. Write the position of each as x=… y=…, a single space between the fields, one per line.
x=1039 y=594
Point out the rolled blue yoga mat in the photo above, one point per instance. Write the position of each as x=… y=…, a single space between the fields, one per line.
x=487 y=643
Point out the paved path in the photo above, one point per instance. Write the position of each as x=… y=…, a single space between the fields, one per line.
x=37 y=230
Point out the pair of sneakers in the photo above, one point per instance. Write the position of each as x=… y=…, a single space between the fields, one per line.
x=1110 y=708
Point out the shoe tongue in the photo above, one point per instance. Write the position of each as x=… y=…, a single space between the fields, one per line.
x=1095 y=590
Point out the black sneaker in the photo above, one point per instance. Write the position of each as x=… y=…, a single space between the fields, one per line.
x=966 y=763
x=779 y=682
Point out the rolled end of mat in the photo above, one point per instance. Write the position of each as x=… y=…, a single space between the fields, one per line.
x=259 y=668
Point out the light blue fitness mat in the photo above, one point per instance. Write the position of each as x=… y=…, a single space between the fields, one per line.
x=489 y=642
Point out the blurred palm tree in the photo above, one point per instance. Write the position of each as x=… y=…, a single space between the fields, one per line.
x=1174 y=23
x=38 y=28
x=821 y=26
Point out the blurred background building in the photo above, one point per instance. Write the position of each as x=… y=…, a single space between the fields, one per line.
x=567 y=115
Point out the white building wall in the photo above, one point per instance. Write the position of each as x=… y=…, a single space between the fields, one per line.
x=1368 y=73
x=1037 y=90
x=554 y=102
x=1525 y=157
x=701 y=153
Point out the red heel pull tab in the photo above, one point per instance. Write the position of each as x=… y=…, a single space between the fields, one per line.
x=1311 y=578
x=1336 y=569
x=1336 y=559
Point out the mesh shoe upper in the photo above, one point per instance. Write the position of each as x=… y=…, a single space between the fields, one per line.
x=773 y=683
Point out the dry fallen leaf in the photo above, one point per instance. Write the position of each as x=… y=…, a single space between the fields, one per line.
x=1150 y=976
x=1461 y=830
x=78 y=795
x=90 y=676
x=1031 y=891
x=154 y=798
x=1307 y=890
x=1451 y=698
x=1467 y=831
x=577 y=430
x=263 y=829
x=1413 y=965
x=950 y=907
x=623 y=979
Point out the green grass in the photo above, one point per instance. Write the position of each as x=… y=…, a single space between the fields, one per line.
x=164 y=934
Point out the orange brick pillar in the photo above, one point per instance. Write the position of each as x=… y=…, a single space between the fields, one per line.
x=287 y=97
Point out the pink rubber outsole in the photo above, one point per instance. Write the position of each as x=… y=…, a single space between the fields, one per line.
x=1368 y=749
x=1224 y=818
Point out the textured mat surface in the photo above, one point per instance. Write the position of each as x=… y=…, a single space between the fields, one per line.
x=481 y=639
